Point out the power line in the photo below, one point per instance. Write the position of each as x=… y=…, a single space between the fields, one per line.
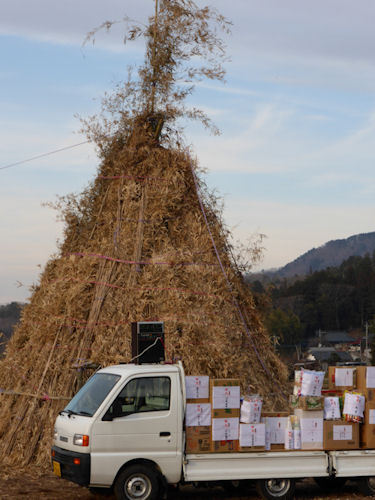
x=43 y=155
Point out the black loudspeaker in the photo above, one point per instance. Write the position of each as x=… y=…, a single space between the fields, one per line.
x=148 y=342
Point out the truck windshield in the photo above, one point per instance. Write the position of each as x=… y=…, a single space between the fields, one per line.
x=92 y=394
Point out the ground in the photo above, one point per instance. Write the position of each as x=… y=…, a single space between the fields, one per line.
x=36 y=484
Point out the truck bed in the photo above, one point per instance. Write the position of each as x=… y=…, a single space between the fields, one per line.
x=258 y=465
x=286 y=464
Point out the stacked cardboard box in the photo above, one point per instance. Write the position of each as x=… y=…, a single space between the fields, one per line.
x=225 y=401
x=366 y=385
x=340 y=434
x=198 y=415
x=308 y=406
x=323 y=422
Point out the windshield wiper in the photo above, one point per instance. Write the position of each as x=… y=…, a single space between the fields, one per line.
x=69 y=412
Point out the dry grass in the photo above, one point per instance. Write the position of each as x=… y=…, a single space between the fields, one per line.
x=82 y=309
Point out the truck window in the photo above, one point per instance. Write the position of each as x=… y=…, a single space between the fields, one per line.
x=141 y=395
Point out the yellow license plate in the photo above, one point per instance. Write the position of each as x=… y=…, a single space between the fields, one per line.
x=56 y=468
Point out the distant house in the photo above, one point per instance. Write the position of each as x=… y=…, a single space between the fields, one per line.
x=336 y=337
x=327 y=356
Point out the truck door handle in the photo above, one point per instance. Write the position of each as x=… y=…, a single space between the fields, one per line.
x=164 y=434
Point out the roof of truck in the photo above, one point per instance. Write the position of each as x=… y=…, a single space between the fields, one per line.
x=125 y=369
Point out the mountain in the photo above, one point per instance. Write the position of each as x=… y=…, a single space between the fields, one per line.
x=330 y=254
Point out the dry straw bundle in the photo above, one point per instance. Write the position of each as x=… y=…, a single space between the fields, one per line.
x=136 y=248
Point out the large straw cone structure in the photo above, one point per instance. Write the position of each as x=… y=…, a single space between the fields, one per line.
x=138 y=250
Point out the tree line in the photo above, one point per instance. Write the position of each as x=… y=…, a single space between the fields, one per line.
x=336 y=298
x=9 y=317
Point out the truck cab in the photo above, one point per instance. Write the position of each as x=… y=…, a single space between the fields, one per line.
x=124 y=428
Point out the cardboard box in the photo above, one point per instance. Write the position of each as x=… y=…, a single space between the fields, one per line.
x=225 y=398
x=197 y=389
x=367 y=431
x=339 y=374
x=275 y=431
x=340 y=435
x=366 y=382
x=198 y=439
x=311 y=432
x=308 y=403
x=275 y=414
x=252 y=437
x=225 y=434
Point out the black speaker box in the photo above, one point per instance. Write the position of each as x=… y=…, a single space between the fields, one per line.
x=144 y=335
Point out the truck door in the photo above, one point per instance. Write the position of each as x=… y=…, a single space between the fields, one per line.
x=141 y=422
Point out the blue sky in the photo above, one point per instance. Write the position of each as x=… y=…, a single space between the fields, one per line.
x=297 y=115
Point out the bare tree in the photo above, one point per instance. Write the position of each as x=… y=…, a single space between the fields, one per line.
x=183 y=46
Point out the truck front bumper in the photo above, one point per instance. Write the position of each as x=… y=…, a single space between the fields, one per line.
x=71 y=465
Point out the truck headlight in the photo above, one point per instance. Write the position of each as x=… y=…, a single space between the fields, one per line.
x=81 y=440
x=55 y=434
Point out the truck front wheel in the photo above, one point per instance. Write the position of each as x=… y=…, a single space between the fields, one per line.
x=137 y=482
x=283 y=489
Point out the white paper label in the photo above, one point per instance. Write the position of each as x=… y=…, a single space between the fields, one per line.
x=354 y=405
x=275 y=427
x=331 y=408
x=311 y=430
x=371 y=417
x=344 y=377
x=226 y=397
x=342 y=433
x=198 y=414
x=225 y=429
x=312 y=383
x=252 y=434
x=370 y=377
x=197 y=387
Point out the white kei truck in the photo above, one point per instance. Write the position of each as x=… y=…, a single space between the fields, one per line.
x=124 y=432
